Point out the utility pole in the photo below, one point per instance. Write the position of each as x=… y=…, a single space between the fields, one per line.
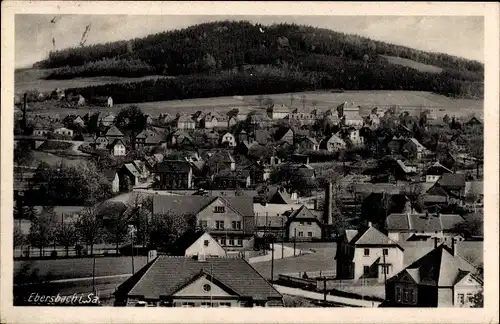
x=385 y=268
x=93 y=272
x=132 y=242
x=324 y=289
x=294 y=239
x=282 y=239
x=272 y=259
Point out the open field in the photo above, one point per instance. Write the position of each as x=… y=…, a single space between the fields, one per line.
x=321 y=100
x=413 y=64
x=34 y=79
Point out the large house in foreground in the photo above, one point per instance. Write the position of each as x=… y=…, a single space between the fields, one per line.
x=197 y=282
x=441 y=278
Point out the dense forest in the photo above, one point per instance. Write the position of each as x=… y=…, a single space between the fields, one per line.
x=309 y=58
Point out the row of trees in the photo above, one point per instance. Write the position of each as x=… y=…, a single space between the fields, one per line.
x=92 y=227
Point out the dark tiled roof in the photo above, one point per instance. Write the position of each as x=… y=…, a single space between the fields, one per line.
x=422 y=222
x=302 y=213
x=439 y=267
x=110 y=174
x=184 y=205
x=452 y=180
x=166 y=275
x=372 y=236
x=113 y=131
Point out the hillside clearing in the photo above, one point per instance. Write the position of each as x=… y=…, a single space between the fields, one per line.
x=30 y=79
x=322 y=100
x=413 y=64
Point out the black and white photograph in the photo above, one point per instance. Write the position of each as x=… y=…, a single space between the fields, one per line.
x=235 y=161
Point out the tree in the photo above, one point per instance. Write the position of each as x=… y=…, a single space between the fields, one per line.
x=414 y=194
x=22 y=153
x=165 y=229
x=469 y=228
x=42 y=229
x=66 y=235
x=18 y=237
x=131 y=118
x=478 y=300
x=89 y=227
x=117 y=230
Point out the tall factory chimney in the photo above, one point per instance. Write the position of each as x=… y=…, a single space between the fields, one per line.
x=24 y=111
x=327 y=217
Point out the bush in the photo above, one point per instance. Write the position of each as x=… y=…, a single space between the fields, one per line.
x=53 y=254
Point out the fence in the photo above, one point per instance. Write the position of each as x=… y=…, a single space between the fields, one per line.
x=313 y=274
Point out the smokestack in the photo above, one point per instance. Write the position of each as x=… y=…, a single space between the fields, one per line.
x=24 y=110
x=328 y=202
x=435 y=242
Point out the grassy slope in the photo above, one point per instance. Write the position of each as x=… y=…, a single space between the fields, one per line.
x=28 y=79
x=406 y=99
x=413 y=64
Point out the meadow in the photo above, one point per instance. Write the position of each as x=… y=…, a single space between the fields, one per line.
x=321 y=100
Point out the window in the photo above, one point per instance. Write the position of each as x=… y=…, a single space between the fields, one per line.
x=385 y=269
x=231 y=241
x=461 y=299
x=309 y=234
x=219 y=209
x=301 y=234
x=470 y=298
x=207 y=288
x=219 y=224
x=205 y=304
x=309 y=223
x=240 y=242
x=301 y=223
x=224 y=304
x=406 y=295
x=205 y=243
x=236 y=225
x=222 y=241
x=366 y=270
x=187 y=304
x=366 y=252
x=398 y=294
x=385 y=251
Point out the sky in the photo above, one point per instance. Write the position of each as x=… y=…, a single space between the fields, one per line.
x=456 y=35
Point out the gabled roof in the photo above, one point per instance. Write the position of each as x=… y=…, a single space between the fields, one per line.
x=113 y=131
x=166 y=275
x=437 y=169
x=115 y=142
x=302 y=213
x=278 y=195
x=419 y=146
x=373 y=236
x=222 y=156
x=184 y=119
x=422 y=222
x=335 y=139
x=130 y=167
x=439 y=268
x=185 y=205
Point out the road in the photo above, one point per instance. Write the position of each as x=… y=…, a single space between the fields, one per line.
x=320 y=296
x=287 y=252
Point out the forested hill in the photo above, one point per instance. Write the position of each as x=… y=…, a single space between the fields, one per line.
x=326 y=58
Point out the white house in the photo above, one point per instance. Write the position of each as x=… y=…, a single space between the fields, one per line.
x=110 y=102
x=228 y=139
x=63 y=131
x=304 y=225
x=108 y=120
x=368 y=254
x=354 y=137
x=278 y=112
x=435 y=171
x=205 y=245
x=117 y=148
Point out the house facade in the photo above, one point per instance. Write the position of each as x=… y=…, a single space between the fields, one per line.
x=278 y=112
x=63 y=131
x=368 y=254
x=334 y=144
x=228 y=139
x=174 y=175
x=304 y=225
x=205 y=245
x=185 y=122
x=117 y=148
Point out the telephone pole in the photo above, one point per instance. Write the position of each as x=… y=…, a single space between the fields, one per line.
x=282 y=239
x=272 y=259
x=294 y=239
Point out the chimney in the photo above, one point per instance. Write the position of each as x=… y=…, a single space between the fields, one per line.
x=435 y=242
x=315 y=201
x=370 y=224
x=453 y=247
